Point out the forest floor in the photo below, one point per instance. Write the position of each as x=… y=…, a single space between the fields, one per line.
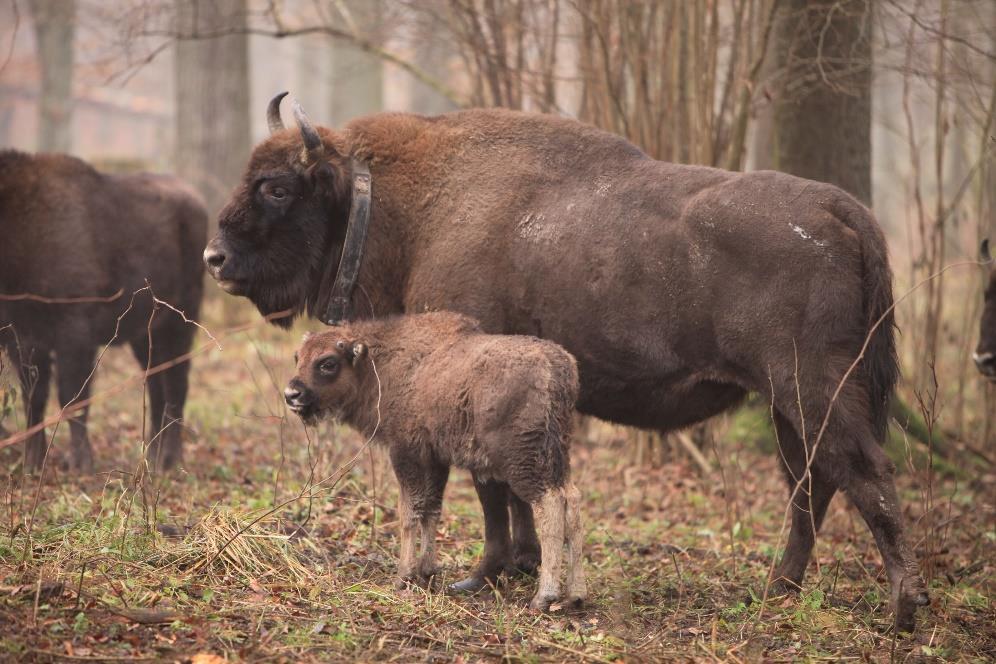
x=235 y=558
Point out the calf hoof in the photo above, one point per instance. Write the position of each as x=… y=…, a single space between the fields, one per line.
x=912 y=595
x=469 y=586
x=542 y=601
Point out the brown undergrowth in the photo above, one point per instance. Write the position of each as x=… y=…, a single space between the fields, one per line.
x=243 y=555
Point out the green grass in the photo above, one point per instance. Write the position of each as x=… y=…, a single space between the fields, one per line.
x=676 y=562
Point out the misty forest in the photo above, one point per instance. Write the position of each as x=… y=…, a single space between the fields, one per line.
x=497 y=330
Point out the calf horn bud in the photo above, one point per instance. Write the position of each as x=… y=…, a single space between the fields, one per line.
x=273 y=120
x=314 y=149
x=984 y=254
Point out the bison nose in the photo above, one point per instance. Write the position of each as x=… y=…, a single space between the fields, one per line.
x=296 y=396
x=986 y=362
x=214 y=258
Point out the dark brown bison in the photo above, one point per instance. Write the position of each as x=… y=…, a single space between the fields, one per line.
x=439 y=392
x=679 y=289
x=985 y=354
x=73 y=233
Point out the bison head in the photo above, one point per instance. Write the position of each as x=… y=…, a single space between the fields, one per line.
x=328 y=381
x=282 y=221
x=985 y=354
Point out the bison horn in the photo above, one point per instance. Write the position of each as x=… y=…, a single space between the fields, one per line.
x=314 y=149
x=273 y=120
x=984 y=254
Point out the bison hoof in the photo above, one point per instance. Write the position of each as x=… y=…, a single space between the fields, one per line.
x=542 y=602
x=81 y=462
x=525 y=564
x=912 y=595
x=469 y=586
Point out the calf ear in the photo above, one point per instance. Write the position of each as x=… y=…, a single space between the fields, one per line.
x=359 y=352
x=984 y=254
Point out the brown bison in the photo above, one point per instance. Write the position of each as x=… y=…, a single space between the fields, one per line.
x=439 y=392
x=76 y=245
x=985 y=354
x=679 y=289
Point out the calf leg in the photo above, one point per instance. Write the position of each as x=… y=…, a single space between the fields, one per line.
x=870 y=485
x=75 y=366
x=809 y=507
x=577 y=588
x=34 y=372
x=408 y=524
x=550 y=510
x=525 y=545
x=497 y=541
x=434 y=488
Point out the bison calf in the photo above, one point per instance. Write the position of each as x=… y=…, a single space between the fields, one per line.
x=439 y=393
x=76 y=244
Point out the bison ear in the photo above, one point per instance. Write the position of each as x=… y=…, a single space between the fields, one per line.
x=984 y=254
x=323 y=176
x=359 y=352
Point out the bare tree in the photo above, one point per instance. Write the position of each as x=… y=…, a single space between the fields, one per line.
x=55 y=27
x=357 y=75
x=822 y=124
x=212 y=96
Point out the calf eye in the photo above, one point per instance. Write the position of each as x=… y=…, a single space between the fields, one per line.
x=329 y=366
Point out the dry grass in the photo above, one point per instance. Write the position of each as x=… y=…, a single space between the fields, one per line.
x=204 y=564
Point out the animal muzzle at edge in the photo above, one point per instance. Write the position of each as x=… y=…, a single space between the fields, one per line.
x=986 y=362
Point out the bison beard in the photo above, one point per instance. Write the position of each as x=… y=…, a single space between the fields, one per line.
x=679 y=289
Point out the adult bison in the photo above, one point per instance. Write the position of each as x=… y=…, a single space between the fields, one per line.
x=985 y=354
x=76 y=245
x=679 y=289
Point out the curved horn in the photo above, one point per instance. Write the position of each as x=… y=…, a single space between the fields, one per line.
x=273 y=120
x=314 y=149
x=984 y=254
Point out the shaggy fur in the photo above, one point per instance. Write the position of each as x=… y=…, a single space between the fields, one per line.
x=71 y=232
x=985 y=353
x=679 y=289
x=438 y=392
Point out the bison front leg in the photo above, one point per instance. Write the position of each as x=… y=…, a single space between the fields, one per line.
x=497 y=541
x=34 y=371
x=74 y=379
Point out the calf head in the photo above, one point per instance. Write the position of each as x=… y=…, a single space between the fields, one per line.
x=329 y=375
x=985 y=354
x=277 y=230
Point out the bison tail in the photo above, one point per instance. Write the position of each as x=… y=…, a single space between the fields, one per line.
x=880 y=364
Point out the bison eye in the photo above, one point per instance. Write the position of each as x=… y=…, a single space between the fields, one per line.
x=329 y=366
x=278 y=193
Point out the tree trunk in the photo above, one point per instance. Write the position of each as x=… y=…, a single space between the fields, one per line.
x=822 y=128
x=55 y=25
x=357 y=77
x=212 y=97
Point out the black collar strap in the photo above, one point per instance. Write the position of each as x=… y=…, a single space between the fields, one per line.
x=338 y=308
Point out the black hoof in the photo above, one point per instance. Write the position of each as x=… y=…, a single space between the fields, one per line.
x=469 y=586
